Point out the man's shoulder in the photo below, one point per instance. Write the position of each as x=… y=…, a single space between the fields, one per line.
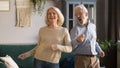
x=74 y=29
x=92 y=24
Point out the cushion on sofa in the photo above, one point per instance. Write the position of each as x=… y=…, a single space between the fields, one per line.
x=9 y=62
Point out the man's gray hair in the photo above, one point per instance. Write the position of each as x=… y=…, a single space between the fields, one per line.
x=81 y=6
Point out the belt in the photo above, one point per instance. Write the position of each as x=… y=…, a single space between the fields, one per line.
x=85 y=55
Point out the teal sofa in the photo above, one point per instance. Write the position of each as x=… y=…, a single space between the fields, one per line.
x=14 y=51
x=66 y=61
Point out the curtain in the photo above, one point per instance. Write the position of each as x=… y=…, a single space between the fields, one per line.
x=23 y=13
x=113 y=21
x=118 y=19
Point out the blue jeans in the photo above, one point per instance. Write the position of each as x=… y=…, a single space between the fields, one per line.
x=44 y=64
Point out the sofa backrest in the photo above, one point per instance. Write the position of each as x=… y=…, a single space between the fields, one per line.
x=14 y=51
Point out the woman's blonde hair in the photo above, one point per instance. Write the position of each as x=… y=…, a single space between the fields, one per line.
x=60 y=16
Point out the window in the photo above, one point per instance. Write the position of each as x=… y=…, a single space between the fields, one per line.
x=70 y=18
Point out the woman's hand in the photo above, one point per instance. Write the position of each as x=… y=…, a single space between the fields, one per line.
x=22 y=56
x=53 y=47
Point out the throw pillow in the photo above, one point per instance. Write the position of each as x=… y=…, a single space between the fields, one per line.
x=9 y=62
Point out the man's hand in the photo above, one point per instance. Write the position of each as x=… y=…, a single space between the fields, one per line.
x=102 y=54
x=81 y=38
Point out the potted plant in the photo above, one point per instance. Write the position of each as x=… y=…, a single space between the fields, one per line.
x=105 y=46
x=38 y=5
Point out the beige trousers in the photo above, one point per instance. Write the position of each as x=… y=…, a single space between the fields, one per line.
x=86 y=62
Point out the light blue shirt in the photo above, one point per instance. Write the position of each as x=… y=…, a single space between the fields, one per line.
x=89 y=46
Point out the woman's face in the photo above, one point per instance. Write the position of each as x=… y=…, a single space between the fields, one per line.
x=52 y=15
x=81 y=16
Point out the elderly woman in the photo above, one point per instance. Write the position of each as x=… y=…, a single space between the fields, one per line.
x=53 y=39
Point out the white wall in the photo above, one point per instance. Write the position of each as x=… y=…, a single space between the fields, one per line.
x=9 y=34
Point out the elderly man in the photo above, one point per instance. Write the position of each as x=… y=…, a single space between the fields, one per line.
x=84 y=43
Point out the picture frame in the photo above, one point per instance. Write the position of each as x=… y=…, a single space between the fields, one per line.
x=4 y=5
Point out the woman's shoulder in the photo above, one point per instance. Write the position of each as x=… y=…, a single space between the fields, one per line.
x=64 y=29
x=43 y=28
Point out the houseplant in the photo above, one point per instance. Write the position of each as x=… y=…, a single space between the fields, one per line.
x=105 y=46
x=38 y=5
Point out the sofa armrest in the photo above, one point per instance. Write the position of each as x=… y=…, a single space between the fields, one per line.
x=2 y=65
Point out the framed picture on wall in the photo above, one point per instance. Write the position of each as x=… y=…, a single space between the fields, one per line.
x=4 y=5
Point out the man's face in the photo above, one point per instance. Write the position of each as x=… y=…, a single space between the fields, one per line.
x=81 y=16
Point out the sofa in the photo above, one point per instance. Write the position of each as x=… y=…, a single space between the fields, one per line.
x=13 y=50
